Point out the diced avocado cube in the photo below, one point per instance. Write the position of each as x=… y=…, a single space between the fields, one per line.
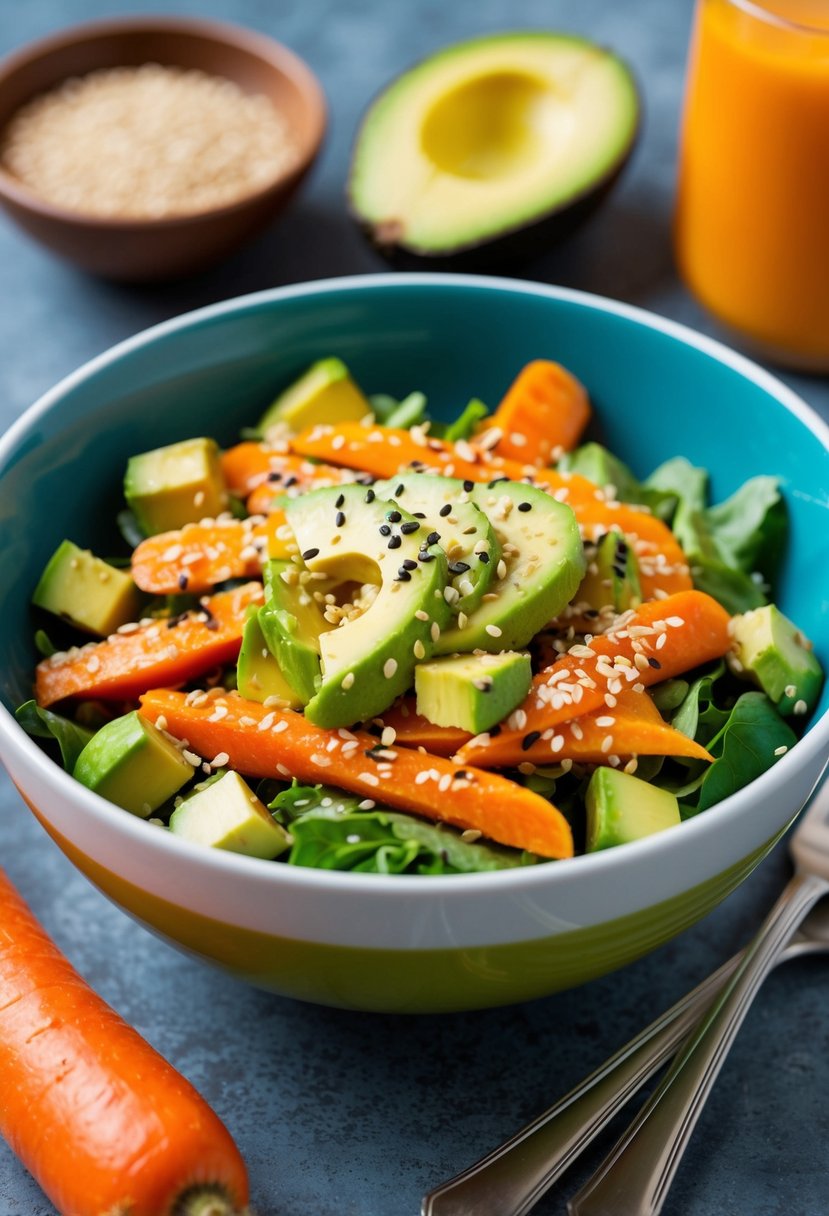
x=87 y=591
x=622 y=808
x=291 y=622
x=612 y=578
x=324 y=395
x=472 y=691
x=176 y=485
x=258 y=675
x=130 y=762
x=228 y=815
x=772 y=652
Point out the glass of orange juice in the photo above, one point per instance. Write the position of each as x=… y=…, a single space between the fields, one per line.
x=752 y=219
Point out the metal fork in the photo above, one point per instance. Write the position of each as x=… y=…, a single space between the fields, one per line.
x=635 y=1178
x=511 y=1179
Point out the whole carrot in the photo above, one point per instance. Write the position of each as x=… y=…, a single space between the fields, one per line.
x=103 y=1123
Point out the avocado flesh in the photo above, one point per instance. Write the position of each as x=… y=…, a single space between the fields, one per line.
x=258 y=674
x=131 y=763
x=489 y=137
x=773 y=652
x=291 y=621
x=465 y=532
x=227 y=815
x=324 y=394
x=472 y=691
x=622 y=808
x=543 y=564
x=368 y=661
x=612 y=578
x=175 y=485
x=87 y=591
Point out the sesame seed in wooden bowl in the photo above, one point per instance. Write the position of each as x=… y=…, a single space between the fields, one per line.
x=148 y=148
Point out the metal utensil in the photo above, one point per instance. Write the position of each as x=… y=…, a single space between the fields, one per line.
x=511 y=1179
x=635 y=1178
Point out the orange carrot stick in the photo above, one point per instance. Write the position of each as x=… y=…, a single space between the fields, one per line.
x=290 y=746
x=633 y=653
x=198 y=556
x=542 y=414
x=100 y=1119
x=384 y=451
x=152 y=653
x=258 y=472
x=634 y=727
x=413 y=730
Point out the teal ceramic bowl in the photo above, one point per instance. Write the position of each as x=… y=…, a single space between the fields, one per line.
x=406 y=943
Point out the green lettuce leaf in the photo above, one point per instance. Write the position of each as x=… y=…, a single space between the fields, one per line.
x=43 y=724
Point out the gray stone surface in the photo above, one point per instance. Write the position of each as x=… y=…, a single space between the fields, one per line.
x=340 y=1114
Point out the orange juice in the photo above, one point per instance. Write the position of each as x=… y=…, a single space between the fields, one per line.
x=752 y=222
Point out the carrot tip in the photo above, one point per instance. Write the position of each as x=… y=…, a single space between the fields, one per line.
x=207 y=1201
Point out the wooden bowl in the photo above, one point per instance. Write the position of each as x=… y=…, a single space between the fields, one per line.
x=139 y=249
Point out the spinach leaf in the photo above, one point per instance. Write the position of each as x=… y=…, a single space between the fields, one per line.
x=735 y=590
x=745 y=747
x=599 y=465
x=749 y=528
x=43 y=724
x=698 y=716
x=467 y=421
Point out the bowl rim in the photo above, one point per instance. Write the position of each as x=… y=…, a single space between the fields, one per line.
x=451 y=886
x=279 y=58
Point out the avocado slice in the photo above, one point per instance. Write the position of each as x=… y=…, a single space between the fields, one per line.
x=369 y=660
x=612 y=578
x=292 y=621
x=324 y=394
x=472 y=691
x=130 y=762
x=226 y=814
x=258 y=674
x=463 y=531
x=175 y=485
x=87 y=591
x=622 y=808
x=771 y=651
x=493 y=147
x=541 y=566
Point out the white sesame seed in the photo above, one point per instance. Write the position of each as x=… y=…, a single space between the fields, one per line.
x=420 y=615
x=790 y=690
x=368 y=778
x=494 y=631
x=607 y=743
x=419 y=650
x=389 y=668
x=191 y=758
x=347 y=680
x=800 y=707
x=781 y=751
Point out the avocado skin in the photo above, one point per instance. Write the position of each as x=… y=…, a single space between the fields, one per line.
x=510 y=249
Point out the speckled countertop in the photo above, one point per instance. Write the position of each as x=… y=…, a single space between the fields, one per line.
x=341 y=1114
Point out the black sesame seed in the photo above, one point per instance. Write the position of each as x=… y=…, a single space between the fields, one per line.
x=528 y=740
x=494 y=732
x=394 y=542
x=385 y=530
x=274 y=476
x=403 y=576
x=525 y=506
x=309 y=553
x=483 y=557
x=418 y=514
x=469 y=485
x=212 y=624
x=408 y=564
x=433 y=538
x=458 y=567
x=394 y=517
x=417 y=465
x=340 y=500
x=461 y=775
x=183 y=580
x=291 y=481
x=399 y=489
x=425 y=556
x=409 y=527
x=654 y=663
x=484 y=685
x=370 y=496
x=339 y=519
x=447 y=510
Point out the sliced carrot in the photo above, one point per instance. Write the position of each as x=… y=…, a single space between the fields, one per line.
x=413 y=730
x=198 y=556
x=694 y=628
x=384 y=451
x=97 y=1116
x=259 y=473
x=542 y=414
x=427 y=785
x=634 y=727
x=152 y=653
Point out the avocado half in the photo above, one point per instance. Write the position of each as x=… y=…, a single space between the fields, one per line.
x=492 y=149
